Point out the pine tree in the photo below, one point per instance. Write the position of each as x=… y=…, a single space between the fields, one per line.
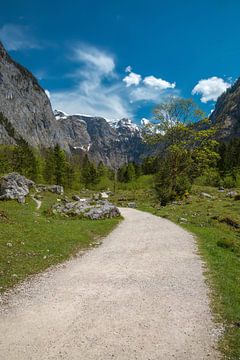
x=89 y=175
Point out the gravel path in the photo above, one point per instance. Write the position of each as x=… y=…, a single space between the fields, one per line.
x=38 y=202
x=140 y=295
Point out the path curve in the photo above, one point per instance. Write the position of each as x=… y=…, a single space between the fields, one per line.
x=140 y=295
x=38 y=202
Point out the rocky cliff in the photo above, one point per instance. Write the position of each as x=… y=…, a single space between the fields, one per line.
x=27 y=110
x=114 y=143
x=227 y=113
x=26 y=106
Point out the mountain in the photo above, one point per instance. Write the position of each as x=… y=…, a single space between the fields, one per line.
x=27 y=113
x=26 y=106
x=227 y=113
x=113 y=142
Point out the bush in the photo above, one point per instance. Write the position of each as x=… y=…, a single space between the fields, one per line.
x=229 y=181
x=168 y=189
x=210 y=177
x=226 y=244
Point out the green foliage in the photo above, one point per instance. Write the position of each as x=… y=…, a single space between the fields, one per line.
x=127 y=172
x=150 y=165
x=210 y=177
x=229 y=162
x=188 y=150
x=89 y=175
x=59 y=165
x=24 y=160
x=41 y=241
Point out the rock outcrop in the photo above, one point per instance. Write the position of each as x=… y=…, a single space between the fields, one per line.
x=86 y=208
x=26 y=107
x=227 y=113
x=113 y=143
x=15 y=186
x=25 y=112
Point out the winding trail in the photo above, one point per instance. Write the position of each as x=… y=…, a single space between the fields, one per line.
x=140 y=295
x=38 y=202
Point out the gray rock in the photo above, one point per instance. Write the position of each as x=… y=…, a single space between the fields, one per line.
x=206 y=195
x=76 y=197
x=100 y=209
x=15 y=186
x=132 y=205
x=231 y=194
x=182 y=220
x=56 y=189
x=27 y=110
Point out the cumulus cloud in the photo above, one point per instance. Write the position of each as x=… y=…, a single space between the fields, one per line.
x=132 y=79
x=211 y=88
x=158 y=83
x=98 y=90
x=16 y=37
x=92 y=95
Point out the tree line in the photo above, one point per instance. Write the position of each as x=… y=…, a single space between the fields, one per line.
x=185 y=152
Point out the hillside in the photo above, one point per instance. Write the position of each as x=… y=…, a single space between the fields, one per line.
x=227 y=113
x=27 y=110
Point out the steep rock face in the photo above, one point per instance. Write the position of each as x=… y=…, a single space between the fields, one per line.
x=114 y=143
x=26 y=106
x=227 y=113
x=27 y=113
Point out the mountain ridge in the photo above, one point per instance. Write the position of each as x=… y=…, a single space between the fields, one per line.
x=26 y=107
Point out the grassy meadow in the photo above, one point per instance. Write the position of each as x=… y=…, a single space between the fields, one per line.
x=31 y=240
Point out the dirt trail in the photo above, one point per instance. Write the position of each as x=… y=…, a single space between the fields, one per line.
x=140 y=295
x=38 y=202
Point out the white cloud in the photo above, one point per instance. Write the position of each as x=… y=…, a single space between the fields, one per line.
x=151 y=94
x=210 y=89
x=95 y=59
x=132 y=79
x=17 y=37
x=48 y=93
x=158 y=83
x=98 y=90
x=91 y=95
x=128 y=69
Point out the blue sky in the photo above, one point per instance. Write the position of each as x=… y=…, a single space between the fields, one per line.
x=121 y=58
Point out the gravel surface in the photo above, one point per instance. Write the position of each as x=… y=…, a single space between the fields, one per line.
x=140 y=295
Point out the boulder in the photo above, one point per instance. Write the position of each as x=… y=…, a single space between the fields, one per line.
x=206 y=195
x=104 y=195
x=76 y=198
x=15 y=187
x=89 y=209
x=231 y=194
x=132 y=205
x=56 y=189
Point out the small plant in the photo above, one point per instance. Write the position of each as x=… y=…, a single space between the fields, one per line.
x=226 y=244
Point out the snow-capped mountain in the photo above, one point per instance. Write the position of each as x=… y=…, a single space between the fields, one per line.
x=113 y=142
x=26 y=113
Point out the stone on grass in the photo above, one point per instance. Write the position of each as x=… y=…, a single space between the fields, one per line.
x=132 y=205
x=231 y=194
x=206 y=195
x=104 y=195
x=15 y=187
x=94 y=210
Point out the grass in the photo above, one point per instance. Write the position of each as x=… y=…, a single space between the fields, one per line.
x=31 y=241
x=219 y=245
